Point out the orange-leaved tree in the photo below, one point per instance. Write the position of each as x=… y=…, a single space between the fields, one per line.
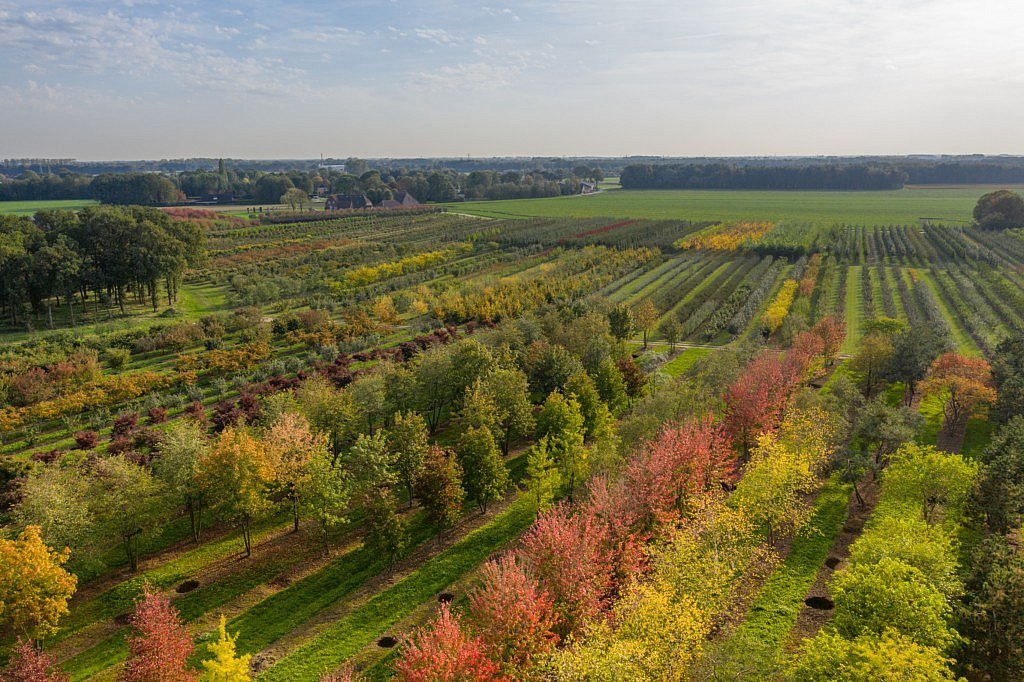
x=966 y=384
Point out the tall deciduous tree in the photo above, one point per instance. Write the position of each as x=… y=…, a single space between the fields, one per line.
x=966 y=384
x=407 y=443
x=439 y=487
x=513 y=614
x=509 y=392
x=485 y=475
x=29 y=663
x=754 y=402
x=235 y=474
x=871 y=362
x=183 y=445
x=832 y=331
x=646 y=316
x=560 y=422
x=126 y=501
x=385 y=529
x=869 y=658
x=890 y=595
x=291 y=448
x=934 y=480
x=569 y=555
x=542 y=474
x=621 y=322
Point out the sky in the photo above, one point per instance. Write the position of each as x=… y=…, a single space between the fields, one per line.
x=135 y=79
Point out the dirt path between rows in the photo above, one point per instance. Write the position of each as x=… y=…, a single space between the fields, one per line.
x=812 y=618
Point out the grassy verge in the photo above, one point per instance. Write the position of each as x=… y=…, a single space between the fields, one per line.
x=348 y=635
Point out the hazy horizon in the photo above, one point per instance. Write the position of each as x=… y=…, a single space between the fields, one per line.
x=137 y=79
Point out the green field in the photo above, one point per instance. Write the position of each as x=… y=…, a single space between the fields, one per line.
x=30 y=207
x=871 y=208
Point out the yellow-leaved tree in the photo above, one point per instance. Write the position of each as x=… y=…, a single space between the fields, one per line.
x=34 y=587
x=226 y=665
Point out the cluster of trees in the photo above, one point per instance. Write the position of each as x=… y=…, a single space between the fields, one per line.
x=919 y=356
x=106 y=253
x=999 y=210
x=991 y=617
x=635 y=576
x=769 y=177
x=260 y=186
x=319 y=449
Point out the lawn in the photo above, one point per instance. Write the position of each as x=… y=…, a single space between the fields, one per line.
x=30 y=207
x=869 y=208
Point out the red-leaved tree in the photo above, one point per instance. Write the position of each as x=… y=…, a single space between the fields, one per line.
x=28 y=663
x=754 y=402
x=514 y=616
x=443 y=652
x=569 y=554
x=159 y=647
x=612 y=505
x=684 y=460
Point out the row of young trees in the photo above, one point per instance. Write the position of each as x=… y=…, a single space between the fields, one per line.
x=322 y=449
x=104 y=253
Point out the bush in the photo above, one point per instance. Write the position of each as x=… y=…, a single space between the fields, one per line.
x=157 y=415
x=117 y=358
x=86 y=440
x=124 y=424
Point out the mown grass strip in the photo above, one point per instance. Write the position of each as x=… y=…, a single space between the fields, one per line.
x=348 y=635
x=773 y=614
x=684 y=361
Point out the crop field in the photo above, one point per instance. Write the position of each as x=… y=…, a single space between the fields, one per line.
x=30 y=207
x=349 y=337
x=898 y=207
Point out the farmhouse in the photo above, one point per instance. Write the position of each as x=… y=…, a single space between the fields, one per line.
x=400 y=200
x=347 y=202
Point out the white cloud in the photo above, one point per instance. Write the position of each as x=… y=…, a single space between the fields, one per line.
x=438 y=36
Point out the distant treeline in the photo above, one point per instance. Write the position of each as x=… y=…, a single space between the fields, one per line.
x=723 y=176
x=818 y=176
x=225 y=183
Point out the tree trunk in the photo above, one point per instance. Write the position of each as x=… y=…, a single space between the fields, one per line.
x=295 y=514
x=193 y=517
x=246 y=537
